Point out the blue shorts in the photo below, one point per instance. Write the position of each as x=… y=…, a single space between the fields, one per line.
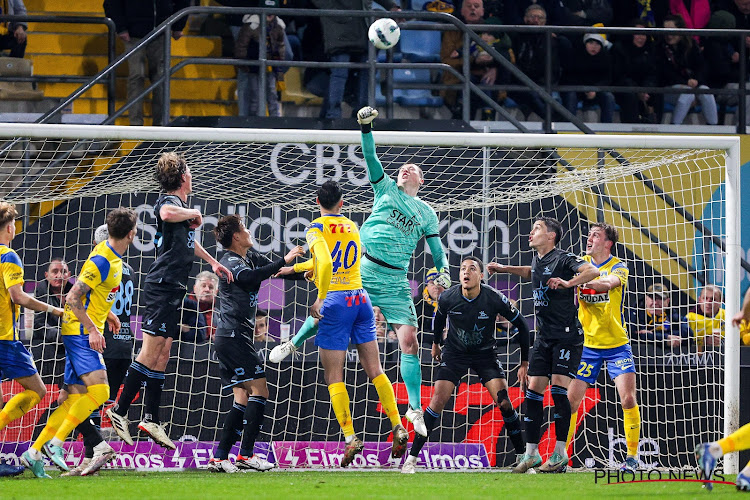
x=15 y=360
x=619 y=360
x=347 y=317
x=80 y=358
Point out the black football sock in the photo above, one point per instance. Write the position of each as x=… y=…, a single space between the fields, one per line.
x=152 y=396
x=254 y=415
x=533 y=418
x=512 y=422
x=135 y=378
x=562 y=412
x=431 y=418
x=232 y=430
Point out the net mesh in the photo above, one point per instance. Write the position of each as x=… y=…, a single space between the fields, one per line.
x=486 y=199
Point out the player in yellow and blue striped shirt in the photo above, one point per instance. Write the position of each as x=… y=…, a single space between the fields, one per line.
x=87 y=307
x=601 y=313
x=15 y=361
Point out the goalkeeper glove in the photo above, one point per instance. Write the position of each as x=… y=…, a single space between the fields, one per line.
x=365 y=116
x=443 y=278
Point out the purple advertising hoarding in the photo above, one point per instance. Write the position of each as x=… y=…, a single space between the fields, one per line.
x=286 y=454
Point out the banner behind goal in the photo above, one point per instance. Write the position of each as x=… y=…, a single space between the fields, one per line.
x=674 y=200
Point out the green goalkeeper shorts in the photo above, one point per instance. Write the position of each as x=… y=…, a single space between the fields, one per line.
x=389 y=290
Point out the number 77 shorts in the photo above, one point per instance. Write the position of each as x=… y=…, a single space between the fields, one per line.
x=555 y=357
x=347 y=317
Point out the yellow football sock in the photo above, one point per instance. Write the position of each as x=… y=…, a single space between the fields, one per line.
x=96 y=396
x=632 y=421
x=387 y=398
x=55 y=421
x=738 y=440
x=571 y=429
x=17 y=406
x=340 y=403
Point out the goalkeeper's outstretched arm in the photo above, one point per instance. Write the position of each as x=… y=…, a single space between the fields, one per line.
x=375 y=171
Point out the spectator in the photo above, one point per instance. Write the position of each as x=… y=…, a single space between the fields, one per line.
x=590 y=65
x=482 y=66
x=427 y=305
x=13 y=37
x=248 y=47
x=46 y=344
x=722 y=58
x=514 y=12
x=655 y=321
x=530 y=51
x=345 y=40
x=695 y=13
x=707 y=320
x=198 y=309
x=587 y=12
x=683 y=67
x=261 y=326
x=134 y=19
x=740 y=9
x=650 y=12
x=634 y=62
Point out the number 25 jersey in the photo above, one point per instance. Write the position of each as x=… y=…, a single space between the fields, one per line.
x=342 y=237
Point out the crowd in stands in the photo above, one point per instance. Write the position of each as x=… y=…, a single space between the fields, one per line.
x=680 y=62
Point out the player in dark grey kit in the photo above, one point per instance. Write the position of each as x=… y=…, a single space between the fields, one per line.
x=241 y=367
x=470 y=308
x=165 y=286
x=557 y=350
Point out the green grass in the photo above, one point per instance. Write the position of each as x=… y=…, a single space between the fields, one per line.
x=342 y=485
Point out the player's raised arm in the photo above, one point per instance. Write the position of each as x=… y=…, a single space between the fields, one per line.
x=251 y=278
x=439 y=259
x=522 y=271
x=216 y=266
x=375 y=171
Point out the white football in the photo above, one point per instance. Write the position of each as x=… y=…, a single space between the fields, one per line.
x=384 y=33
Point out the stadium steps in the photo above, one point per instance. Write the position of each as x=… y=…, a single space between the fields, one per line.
x=689 y=191
x=59 y=49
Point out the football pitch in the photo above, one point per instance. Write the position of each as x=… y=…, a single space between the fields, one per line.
x=341 y=485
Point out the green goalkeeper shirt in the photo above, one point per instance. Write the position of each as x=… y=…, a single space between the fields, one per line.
x=398 y=221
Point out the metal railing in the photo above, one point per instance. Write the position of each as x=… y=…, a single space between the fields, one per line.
x=111 y=36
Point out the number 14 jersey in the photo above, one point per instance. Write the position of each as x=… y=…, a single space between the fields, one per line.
x=342 y=237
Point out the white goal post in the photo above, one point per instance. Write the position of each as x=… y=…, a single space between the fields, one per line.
x=675 y=199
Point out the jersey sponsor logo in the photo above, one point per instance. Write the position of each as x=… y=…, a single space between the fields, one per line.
x=253 y=300
x=112 y=295
x=88 y=275
x=547 y=270
x=482 y=315
x=191 y=239
x=541 y=299
x=16 y=276
x=400 y=221
x=591 y=296
x=473 y=337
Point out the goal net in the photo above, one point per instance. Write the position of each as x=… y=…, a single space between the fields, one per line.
x=667 y=195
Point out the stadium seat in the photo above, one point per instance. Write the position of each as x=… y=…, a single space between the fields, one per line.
x=414 y=97
x=420 y=46
x=295 y=92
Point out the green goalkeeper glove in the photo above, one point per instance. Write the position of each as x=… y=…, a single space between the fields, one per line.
x=365 y=116
x=443 y=278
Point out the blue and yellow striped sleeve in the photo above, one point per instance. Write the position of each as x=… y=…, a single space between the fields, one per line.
x=12 y=269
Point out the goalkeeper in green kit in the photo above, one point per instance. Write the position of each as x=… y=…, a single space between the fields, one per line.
x=398 y=221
